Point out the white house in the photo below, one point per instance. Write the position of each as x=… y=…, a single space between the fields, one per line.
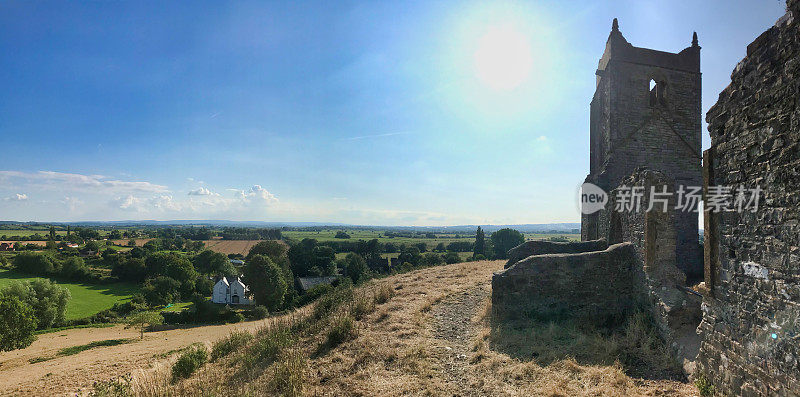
x=233 y=292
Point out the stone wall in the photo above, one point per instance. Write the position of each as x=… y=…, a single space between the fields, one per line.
x=751 y=315
x=598 y=286
x=538 y=247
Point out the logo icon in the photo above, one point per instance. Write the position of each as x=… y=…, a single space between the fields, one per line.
x=592 y=198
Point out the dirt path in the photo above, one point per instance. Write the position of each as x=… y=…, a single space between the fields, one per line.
x=70 y=374
x=453 y=325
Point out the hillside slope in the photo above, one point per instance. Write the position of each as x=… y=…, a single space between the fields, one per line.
x=432 y=337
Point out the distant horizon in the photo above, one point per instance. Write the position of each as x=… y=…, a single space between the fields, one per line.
x=222 y=222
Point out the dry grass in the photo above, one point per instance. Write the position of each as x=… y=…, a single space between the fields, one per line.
x=392 y=352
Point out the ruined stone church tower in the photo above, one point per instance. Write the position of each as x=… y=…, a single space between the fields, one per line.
x=646 y=113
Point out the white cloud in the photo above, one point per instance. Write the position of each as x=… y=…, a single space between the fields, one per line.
x=255 y=194
x=202 y=192
x=128 y=202
x=67 y=181
x=16 y=197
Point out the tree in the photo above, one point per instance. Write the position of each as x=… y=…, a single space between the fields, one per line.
x=74 y=268
x=389 y=248
x=323 y=257
x=115 y=235
x=355 y=267
x=92 y=246
x=132 y=269
x=440 y=248
x=161 y=291
x=410 y=255
x=214 y=263
x=342 y=234
x=34 y=263
x=17 y=323
x=142 y=320
x=267 y=282
x=504 y=240
x=301 y=258
x=47 y=299
x=87 y=233
x=422 y=247
x=432 y=259
x=271 y=248
x=451 y=257
x=480 y=243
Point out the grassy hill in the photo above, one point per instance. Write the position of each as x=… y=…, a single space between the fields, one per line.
x=426 y=332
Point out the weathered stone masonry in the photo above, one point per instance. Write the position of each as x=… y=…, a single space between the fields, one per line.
x=633 y=125
x=751 y=317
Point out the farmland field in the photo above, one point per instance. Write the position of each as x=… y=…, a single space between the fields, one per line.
x=41 y=243
x=355 y=235
x=231 y=246
x=87 y=299
x=222 y=246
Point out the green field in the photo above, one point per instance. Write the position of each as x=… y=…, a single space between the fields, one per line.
x=26 y=232
x=87 y=299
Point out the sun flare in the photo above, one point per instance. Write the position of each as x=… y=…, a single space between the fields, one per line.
x=503 y=58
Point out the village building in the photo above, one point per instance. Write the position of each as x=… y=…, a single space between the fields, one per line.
x=230 y=292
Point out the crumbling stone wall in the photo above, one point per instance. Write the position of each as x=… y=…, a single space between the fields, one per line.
x=599 y=286
x=751 y=316
x=539 y=247
x=653 y=234
x=633 y=125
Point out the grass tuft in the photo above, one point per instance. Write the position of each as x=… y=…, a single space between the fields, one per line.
x=289 y=373
x=229 y=344
x=361 y=306
x=342 y=330
x=383 y=294
x=704 y=386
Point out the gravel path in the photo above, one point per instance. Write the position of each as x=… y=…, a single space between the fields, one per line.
x=453 y=326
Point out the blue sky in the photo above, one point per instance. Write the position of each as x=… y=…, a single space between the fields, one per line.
x=358 y=112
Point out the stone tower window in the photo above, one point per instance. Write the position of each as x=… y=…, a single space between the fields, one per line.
x=657 y=91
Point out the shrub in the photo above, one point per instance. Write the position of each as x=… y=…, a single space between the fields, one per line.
x=342 y=329
x=231 y=343
x=118 y=387
x=328 y=302
x=232 y=316
x=704 y=386
x=451 y=257
x=189 y=362
x=257 y=313
x=268 y=344
x=35 y=263
x=361 y=306
x=383 y=294
x=288 y=378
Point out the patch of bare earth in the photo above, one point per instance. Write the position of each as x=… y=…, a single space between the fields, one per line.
x=69 y=375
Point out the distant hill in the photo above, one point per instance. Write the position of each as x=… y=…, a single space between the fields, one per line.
x=525 y=228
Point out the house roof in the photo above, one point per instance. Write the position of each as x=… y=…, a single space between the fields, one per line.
x=310 y=282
